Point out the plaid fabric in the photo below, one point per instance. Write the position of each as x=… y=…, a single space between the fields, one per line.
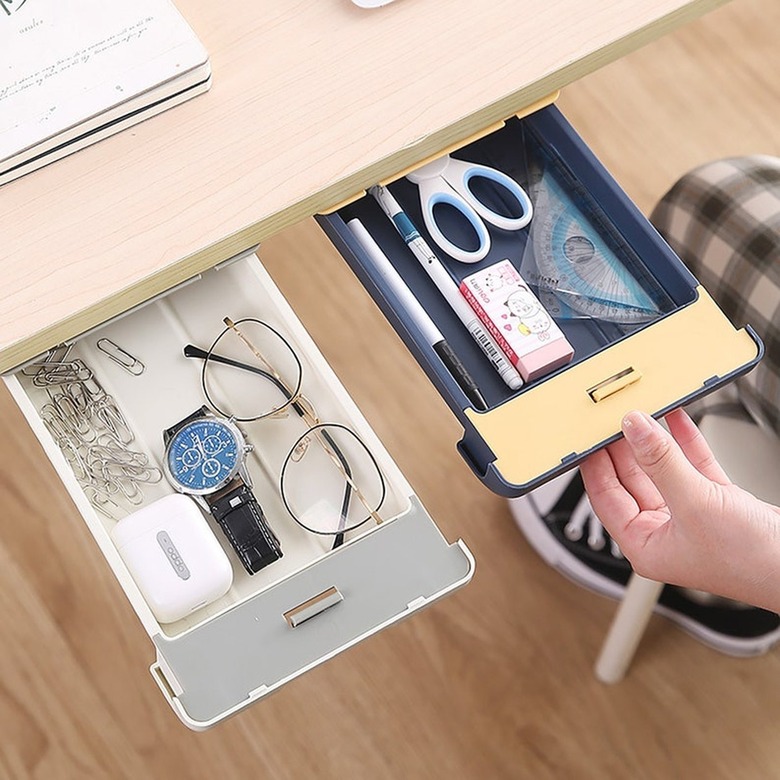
x=723 y=220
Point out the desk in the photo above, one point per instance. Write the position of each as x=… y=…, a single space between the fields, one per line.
x=312 y=102
x=494 y=682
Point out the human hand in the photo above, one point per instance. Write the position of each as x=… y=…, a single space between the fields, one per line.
x=677 y=517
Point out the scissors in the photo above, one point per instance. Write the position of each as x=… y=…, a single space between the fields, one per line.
x=448 y=181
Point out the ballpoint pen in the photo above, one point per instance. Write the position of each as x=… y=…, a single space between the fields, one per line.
x=445 y=284
x=417 y=314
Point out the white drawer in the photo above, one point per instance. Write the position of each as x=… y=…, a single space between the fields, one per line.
x=224 y=656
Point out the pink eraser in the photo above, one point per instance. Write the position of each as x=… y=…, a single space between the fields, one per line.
x=521 y=326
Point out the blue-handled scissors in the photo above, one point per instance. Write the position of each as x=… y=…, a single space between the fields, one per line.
x=447 y=181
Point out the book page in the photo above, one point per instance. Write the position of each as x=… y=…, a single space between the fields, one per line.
x=64 y=63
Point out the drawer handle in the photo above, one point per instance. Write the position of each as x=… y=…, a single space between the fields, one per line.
x=613 y=384
x=313 y=607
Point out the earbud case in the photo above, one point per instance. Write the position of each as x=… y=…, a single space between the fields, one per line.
x=173 y=556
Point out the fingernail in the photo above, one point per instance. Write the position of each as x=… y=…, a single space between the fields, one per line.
x=637 y=426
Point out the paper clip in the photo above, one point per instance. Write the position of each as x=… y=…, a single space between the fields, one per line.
x=121 y=357
x=91 y=430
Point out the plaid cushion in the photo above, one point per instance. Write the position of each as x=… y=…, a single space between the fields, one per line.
x=723 y=220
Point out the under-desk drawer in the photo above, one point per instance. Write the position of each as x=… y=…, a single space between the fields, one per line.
x=644 y=333
x=320 y=597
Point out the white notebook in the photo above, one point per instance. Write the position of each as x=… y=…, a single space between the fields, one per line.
x=73 y=72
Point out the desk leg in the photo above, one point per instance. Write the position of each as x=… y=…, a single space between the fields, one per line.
x=627 y=628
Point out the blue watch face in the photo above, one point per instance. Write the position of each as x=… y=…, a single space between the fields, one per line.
x=203 y=454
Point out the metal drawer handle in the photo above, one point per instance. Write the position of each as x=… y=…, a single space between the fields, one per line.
x=614 y=383
x=313 y=607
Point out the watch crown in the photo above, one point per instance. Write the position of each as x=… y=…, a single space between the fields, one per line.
x=248 y=447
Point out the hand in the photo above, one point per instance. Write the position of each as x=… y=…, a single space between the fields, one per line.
x=678 y=518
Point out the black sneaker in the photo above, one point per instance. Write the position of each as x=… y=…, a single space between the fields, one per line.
x=558 y=522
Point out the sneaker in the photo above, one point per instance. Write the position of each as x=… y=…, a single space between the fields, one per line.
x=558 y=522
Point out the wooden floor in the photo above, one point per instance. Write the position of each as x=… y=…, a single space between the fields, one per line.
x=494 y=682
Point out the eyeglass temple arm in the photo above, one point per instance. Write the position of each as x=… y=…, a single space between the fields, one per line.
x=191 y=351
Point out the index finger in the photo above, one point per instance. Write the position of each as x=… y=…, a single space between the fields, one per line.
x=695 y=446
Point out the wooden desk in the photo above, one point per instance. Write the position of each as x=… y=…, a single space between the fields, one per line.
x=493 y=683
x=312 y=102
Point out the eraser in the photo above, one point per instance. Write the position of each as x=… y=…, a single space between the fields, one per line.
x=521 y=326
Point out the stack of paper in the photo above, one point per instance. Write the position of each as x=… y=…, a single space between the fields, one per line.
x=73 y=73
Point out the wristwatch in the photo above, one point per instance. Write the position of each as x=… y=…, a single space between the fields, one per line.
x=205 y=457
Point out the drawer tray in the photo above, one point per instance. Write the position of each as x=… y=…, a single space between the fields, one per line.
x=318 y=599
x=644 y=317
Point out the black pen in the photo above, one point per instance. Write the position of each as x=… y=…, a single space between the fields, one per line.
x=414 y=310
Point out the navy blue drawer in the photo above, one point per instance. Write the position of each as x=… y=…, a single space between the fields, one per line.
x=668 y=330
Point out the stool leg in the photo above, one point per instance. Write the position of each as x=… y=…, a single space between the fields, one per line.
x=627 y=628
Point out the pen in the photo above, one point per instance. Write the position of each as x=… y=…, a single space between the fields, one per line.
x=445 y=284
x=417 y=314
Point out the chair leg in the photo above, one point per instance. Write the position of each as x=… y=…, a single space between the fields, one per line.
x=627 y=628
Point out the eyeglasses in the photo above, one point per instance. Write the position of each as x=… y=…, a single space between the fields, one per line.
x=329 y=480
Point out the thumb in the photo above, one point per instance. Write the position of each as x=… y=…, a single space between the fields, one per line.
x=661 y=458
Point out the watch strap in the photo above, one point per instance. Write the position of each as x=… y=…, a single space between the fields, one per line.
x=169 y=433
x=241 y=518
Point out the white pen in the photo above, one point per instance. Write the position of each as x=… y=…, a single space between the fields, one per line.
x=414 y=310
x=445 y=285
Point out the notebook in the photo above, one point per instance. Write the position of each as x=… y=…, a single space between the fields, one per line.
x=73 y=73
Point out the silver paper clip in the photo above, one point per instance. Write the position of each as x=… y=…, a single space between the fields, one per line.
x=121 y=357
x=91 y=430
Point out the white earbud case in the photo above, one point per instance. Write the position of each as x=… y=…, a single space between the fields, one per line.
x=173 y=556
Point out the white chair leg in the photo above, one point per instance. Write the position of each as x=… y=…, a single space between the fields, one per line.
x=627 y=628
